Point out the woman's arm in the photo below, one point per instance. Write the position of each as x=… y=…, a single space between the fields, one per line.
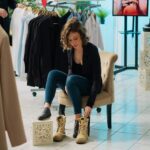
x=96 y=81
x=96 y=77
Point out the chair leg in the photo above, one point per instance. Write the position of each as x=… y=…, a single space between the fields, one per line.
x=109 y=116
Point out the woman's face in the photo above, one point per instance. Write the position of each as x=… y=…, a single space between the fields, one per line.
x=74 y=39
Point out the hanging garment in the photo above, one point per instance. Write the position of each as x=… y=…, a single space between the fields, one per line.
x=18 y=28
x=10 y=113
x=42 y=48
x=25 y=32
x=94 y=32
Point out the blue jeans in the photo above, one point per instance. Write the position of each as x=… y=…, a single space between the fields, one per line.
x=76 y=86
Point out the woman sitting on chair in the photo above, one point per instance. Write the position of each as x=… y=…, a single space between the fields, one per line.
x=83 y=79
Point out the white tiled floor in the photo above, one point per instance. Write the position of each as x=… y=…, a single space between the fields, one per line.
x=130 y=119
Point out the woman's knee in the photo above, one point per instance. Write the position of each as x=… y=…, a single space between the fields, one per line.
x=52 y=74
x=70 y=82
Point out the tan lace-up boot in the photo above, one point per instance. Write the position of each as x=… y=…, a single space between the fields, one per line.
x=83 y=131
x=60 y=134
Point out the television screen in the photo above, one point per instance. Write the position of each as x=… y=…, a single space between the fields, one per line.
x=130 y=7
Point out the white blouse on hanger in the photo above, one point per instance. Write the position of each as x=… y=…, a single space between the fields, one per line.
x=94 y=32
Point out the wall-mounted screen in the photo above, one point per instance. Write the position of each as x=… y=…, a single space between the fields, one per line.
x=130 y=7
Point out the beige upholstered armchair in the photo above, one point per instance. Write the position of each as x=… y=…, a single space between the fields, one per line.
x=106 y=97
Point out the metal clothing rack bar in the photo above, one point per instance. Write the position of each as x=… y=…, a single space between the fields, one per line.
x=90 y=7
x=74 y=1
x=60 y=6
x=93 y=6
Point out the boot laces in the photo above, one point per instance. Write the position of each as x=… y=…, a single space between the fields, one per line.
x=83 y=127
x=60 y=125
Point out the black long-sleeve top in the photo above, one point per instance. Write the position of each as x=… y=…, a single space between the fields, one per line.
x=91 y=69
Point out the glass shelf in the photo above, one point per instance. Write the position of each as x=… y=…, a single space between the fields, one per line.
x=129 y=32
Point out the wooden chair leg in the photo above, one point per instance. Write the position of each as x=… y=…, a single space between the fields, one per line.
x=109 y=116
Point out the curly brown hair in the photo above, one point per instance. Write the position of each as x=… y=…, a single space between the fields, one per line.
x=73 y=25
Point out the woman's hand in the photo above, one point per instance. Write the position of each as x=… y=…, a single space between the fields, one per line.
x=3 y=13
x=87 y=111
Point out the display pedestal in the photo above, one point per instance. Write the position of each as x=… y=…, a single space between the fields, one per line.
x=42 y=132
x=144 y=66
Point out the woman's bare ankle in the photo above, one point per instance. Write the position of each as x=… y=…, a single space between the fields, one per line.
x=77 y=116
x=46 y=105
